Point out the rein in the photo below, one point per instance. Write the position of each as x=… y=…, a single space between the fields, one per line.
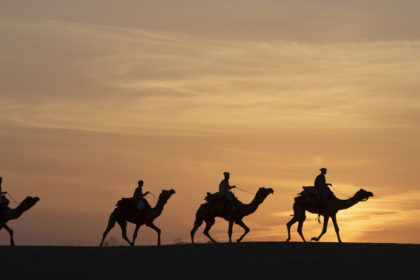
x=153 y=196
x=341 y=193
x=245 y=191
x=8 y=194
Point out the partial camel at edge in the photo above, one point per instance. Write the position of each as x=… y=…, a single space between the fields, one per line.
x=14 y=213
x=221 y=208
x=311 y=203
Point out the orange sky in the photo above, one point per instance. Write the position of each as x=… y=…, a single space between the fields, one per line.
x=98 y=95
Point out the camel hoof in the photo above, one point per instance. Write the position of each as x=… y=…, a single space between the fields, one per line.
x=287 y=240
x=314 y=239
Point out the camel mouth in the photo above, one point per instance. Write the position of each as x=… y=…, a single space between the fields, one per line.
x=368 y=195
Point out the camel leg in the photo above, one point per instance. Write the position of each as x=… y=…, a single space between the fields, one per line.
x=209 y=223
x=299 y=230
x=230 y=231
x=337 y=230
x=111 y=223
x=324 y=229
x=289 y=225
x=198 y=222
x=244 y=227
x=152 y=226
x=298 y=216
x=136 y=230
x=10 y=231
x=123 y=225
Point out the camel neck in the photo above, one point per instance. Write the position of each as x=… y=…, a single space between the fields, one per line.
x=159 y=207
x=17 y=212
x=347 y=203
x=253 y=205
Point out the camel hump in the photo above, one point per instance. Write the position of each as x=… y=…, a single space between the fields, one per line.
x=131 y=203
x=126 y=202
x=210 y=197
x=307 y=191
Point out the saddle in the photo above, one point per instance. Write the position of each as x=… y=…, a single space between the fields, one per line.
x=130 y=205
x=213 y=197
x=3 y=209
x=308 y=191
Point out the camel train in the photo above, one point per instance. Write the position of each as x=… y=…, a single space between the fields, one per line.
x=136 y=210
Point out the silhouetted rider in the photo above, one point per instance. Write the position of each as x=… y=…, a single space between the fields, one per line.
x=322 y=187
x=138 y=196
x=224 y=188
x=4 y=202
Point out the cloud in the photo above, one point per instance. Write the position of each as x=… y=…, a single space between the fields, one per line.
x=146 y=77
x=325 y=20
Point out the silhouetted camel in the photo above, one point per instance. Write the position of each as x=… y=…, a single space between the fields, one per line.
x=12 y=214
x=221 y=208
x=126 y=212
x=311 y=203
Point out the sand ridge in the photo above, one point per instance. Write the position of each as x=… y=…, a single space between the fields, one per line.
x=250 y=260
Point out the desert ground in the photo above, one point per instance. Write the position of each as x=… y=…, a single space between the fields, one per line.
x=259 y=260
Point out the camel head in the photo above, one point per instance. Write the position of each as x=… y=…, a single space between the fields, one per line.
x=363 y=195
x=166 y=194
x=264 y=192
x=28 y=202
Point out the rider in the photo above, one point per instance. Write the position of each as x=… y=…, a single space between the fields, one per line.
x=3 y=200
x=224 y=188
x=322 y=187
x=138 y=196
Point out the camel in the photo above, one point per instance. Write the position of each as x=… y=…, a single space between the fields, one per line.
x=311 y=203
x=124 y=213
x=220 y=208
x=12 y=214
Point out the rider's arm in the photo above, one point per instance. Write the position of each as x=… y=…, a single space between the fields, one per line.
x=146 y=193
